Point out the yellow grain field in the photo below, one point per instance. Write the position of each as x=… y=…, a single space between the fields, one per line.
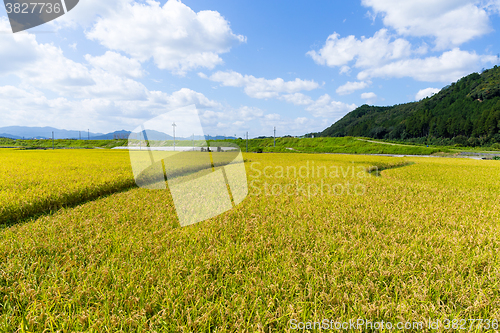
x=34 y=181
x=317 y=240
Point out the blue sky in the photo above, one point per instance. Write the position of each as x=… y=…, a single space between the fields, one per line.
x=246 y=65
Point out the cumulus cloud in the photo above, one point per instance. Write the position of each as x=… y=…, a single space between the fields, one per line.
x=491 y=6
x=367 y=52
x=351 y=87
x=41 y=65
x=174 y=36
x=260 y=87
x=107 y=85
x=272 y=117
x=449 y=22
x=249 y=113
x=290 y=126
x=44 y=66
x=32 y=107
x=182 y=97
x=88 y=11
x=89 y=96
x=103 y=94
x=326 y=107
x=117 y=64
x=427 y=92
x=450 y=66
x=368 y=95
x=297 y=99
x=231 y=121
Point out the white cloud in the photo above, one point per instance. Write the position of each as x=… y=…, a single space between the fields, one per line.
x=450 y=22
x=427 y=92
x=232 y=121
x=448 y=67
x=249 y=113
x=351 y=87
x=272 y=117
x=182 y=97
x=110 y=86
x=88 y=11
x=367 y=52
x=326 y=107
x=102 y=98
x=117 y=64
x=31 y=107
x=101 y=93
x=177 y=38
x=491 y=6
x=289 y=126
x=297 y=99
x=42 y=65
x=368 y=95
x=260 y=87
x=345 y=69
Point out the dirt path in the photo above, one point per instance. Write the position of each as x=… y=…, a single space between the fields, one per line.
x=385 y=143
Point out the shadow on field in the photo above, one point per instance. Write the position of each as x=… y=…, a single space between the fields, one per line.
x=379 y=167
x=48 y=206
x=51 y=206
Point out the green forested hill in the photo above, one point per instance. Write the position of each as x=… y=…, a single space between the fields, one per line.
x=466 y=112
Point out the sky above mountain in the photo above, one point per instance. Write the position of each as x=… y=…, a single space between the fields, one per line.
x=247 y=65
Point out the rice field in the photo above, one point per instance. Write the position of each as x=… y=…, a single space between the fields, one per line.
x=318 y=237
x=34 y=181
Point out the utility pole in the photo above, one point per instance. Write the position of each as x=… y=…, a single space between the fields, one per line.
x=193 y=141
x=274 y=136
x=173 y=126
x=88 y=134
x=52 y=140
x=80 y=134
x=247 y=142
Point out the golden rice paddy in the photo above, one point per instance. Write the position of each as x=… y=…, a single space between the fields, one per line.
x=317 y=238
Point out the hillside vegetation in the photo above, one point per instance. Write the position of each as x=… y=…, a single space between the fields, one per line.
x=60 y=143
x=347 y=145
x=466 y=112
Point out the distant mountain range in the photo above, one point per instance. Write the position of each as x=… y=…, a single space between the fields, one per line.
x=20 y=132
x=24 y=132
